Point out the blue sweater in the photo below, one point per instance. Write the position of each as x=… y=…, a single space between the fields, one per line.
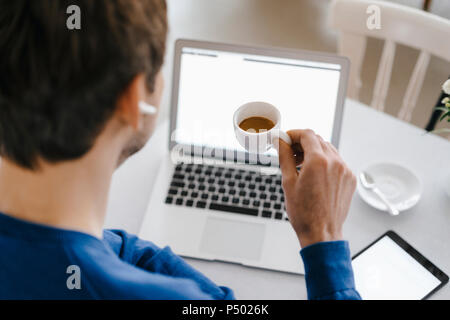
x=41 y=262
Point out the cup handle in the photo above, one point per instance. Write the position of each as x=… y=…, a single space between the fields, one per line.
x=284 y=136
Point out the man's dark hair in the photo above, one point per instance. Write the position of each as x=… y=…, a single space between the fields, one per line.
x=58 y=87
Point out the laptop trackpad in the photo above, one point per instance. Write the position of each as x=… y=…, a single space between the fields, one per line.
x=234 y=239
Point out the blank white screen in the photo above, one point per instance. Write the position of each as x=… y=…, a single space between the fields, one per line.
x=211 y=88
x=387 y=272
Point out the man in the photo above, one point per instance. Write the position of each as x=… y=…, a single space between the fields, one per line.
x=69 y=116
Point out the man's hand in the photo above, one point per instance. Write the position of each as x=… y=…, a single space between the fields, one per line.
x=318 y=197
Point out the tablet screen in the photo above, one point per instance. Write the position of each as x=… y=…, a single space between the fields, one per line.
x=386 y=271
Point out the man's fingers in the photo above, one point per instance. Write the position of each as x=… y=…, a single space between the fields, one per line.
x=287 y=160
x=308 y=140
x=325 y=146
x=333 y=148
x=298 y=153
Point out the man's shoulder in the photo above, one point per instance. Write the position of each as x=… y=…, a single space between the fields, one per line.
x=109 y=277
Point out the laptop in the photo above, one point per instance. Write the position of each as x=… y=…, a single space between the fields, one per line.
x=212 y=200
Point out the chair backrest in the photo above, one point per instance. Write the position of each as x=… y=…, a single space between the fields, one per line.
x=411 y=27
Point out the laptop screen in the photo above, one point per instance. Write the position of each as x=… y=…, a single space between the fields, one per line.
x=213 y=84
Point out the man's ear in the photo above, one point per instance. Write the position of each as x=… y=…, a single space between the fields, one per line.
x=128 y=103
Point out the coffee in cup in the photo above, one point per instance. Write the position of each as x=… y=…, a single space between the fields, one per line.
x=257 y=127
x=256 y=124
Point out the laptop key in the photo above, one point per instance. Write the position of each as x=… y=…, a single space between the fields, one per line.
x=177 y=184
x=179 y=201
x=225 y=199
x=277 y=206
x=246 y=202
x=233 y=209
x=201 y=204
x=169 y=200
x=266 y=214
x=189 y=203
x=215 y=197
x=205 y=196
x=178 y=176
x=256 y=203
x=184 y=193
x=235 y=200
x=194 y=195
x=278 y=216
x=266 y=204
x=173 y=191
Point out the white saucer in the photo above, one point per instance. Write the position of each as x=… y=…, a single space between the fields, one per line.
x=398 y=183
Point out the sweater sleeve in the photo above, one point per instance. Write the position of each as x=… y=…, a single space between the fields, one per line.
x=328 y=271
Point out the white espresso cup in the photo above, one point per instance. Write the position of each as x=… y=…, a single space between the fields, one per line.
x=262 y=141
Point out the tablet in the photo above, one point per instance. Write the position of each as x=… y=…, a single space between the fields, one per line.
x=391 y=269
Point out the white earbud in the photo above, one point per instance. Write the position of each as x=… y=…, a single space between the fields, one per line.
x=146 y=108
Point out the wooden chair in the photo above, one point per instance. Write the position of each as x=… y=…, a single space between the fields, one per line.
x=411 y=27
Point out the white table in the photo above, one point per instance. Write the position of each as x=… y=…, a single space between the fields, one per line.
x=368 y=136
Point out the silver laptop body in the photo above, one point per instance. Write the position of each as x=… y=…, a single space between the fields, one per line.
x=211 y=199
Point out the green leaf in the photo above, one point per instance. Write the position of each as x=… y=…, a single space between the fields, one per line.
x=445 y=115
x=445 y=109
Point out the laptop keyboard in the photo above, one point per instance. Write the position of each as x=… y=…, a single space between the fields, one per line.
x=227 y=189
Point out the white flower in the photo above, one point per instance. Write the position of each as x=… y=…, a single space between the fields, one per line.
x=445 y=100
x=446 y=86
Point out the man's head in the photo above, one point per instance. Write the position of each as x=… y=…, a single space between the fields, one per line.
x=60 y=88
